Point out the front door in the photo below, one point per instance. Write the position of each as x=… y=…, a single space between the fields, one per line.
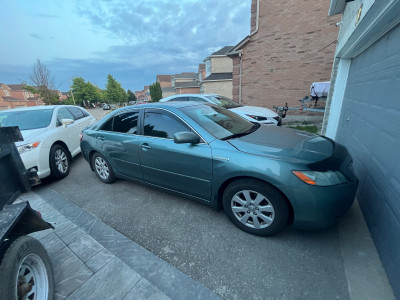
x=184 y=168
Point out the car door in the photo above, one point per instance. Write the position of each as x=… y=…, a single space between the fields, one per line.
x=71 y=131
x=185 y=168
x=118 y=140
x=80 y=120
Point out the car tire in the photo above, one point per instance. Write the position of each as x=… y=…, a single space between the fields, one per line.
x=255 y=207
x=102 y=168
x=59 y=162
x=26 y=271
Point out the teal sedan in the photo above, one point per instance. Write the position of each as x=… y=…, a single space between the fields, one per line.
x=264 y=177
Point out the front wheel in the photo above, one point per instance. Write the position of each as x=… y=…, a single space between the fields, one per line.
x=59 y=162
x=255 y=207
x=26 y=271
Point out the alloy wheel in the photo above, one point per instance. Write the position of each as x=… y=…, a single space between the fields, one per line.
x=102 y=167
x=61 y=161
x=252 y=209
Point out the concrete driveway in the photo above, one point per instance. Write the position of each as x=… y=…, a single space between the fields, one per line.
x=338 y=263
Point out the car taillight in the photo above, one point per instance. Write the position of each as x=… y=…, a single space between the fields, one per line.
x=81 y=136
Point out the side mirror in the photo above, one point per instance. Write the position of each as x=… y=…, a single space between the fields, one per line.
x=186 y=137
x=66 y=122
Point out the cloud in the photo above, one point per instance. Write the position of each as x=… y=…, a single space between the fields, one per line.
x=36 y=36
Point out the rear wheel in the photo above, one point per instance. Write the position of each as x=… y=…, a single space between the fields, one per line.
x=59 y=162
x=255 y=207
x=102 y=168
x=26 y=271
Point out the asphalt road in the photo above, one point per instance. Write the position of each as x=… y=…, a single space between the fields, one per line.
x=204 y=244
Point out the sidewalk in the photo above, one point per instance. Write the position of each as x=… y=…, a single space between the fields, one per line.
x=93 y=261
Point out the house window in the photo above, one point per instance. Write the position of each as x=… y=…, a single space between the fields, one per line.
x=6 y=93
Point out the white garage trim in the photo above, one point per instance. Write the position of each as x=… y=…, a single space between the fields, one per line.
x=337 y=97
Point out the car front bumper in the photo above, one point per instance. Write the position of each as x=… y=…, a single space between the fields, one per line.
x=39 y=158
x=318 y=207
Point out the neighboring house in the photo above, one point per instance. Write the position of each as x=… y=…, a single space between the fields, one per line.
x=64 y=96
x=363 y=113
x=14 y=96
x=190 y=87
x=218 y=73
x=140 y=95
x=290 y=45
x=147 y=96
x=168 y=91
x=164 y=80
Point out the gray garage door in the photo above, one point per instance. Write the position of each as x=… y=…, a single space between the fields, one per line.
x=370 y=127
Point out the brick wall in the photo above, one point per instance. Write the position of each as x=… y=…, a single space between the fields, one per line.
x=290 y=51
x=221 y=64
x=223 y=88
x=192 y=90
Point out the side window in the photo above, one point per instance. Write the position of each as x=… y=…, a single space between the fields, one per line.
x=126 y=122
x=197 y=99
x=161 y=125
x=63 y=113
x=85 y=114
x=107 y=126
x=76 y=112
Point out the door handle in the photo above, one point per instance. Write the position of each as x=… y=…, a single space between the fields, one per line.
x=146 y=147
x=101 y=138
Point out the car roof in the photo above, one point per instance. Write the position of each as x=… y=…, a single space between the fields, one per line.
x=189 y=95
x=169 y=104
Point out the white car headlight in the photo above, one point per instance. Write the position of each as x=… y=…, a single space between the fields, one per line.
x=321 y=178
x=27 y=147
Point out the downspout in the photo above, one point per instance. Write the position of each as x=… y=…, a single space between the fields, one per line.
x=240 y=77
x=257 y=16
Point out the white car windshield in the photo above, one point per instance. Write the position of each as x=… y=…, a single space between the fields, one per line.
x=223 y=101
x=26 y=119
x=220 y=122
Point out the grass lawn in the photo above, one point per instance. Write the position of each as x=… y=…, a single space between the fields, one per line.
x=310 y=128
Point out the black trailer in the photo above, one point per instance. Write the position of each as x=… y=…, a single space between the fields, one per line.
x=25 y=267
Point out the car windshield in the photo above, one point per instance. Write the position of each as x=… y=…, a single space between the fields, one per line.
x=26 y=119
x=218 y=121
x=224 y=102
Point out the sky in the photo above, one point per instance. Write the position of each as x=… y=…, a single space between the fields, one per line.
x=133 y=40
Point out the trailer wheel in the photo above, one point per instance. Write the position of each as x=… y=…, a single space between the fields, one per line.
x=26 y=271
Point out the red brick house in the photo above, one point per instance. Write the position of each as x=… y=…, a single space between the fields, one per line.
x=164 y=80
x=291 y=44
x=15 y=96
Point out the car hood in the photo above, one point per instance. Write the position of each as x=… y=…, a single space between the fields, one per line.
x=30 y=135
x=254 y=110
x=285 y=143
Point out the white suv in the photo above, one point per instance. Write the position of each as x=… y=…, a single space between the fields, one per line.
x=51 y=136
x=253 y=114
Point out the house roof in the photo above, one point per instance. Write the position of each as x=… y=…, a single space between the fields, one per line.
x=222 y=51
x=8 y=98
x=186 y=75
x=164 y=77
x=16 y=87
x=218 y=76
x=187 y=84
x=238 y=46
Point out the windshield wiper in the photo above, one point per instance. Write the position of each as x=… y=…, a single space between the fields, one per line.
x=236 y=135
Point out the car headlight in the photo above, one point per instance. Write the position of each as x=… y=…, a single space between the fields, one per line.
x=321 y=178
x=258 y=118
x=27 y=147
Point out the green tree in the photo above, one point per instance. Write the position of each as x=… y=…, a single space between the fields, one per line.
x=85 y=92
x=114 y=92
x=155 y=92
x=131 y=96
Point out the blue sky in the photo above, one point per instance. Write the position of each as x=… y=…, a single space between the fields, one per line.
x=134 y=40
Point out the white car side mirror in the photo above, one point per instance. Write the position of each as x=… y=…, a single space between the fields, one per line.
x=66 y=122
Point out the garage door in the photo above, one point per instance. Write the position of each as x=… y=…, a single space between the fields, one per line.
x=370 y=127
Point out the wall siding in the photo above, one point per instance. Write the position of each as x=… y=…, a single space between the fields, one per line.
x=369 y=127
